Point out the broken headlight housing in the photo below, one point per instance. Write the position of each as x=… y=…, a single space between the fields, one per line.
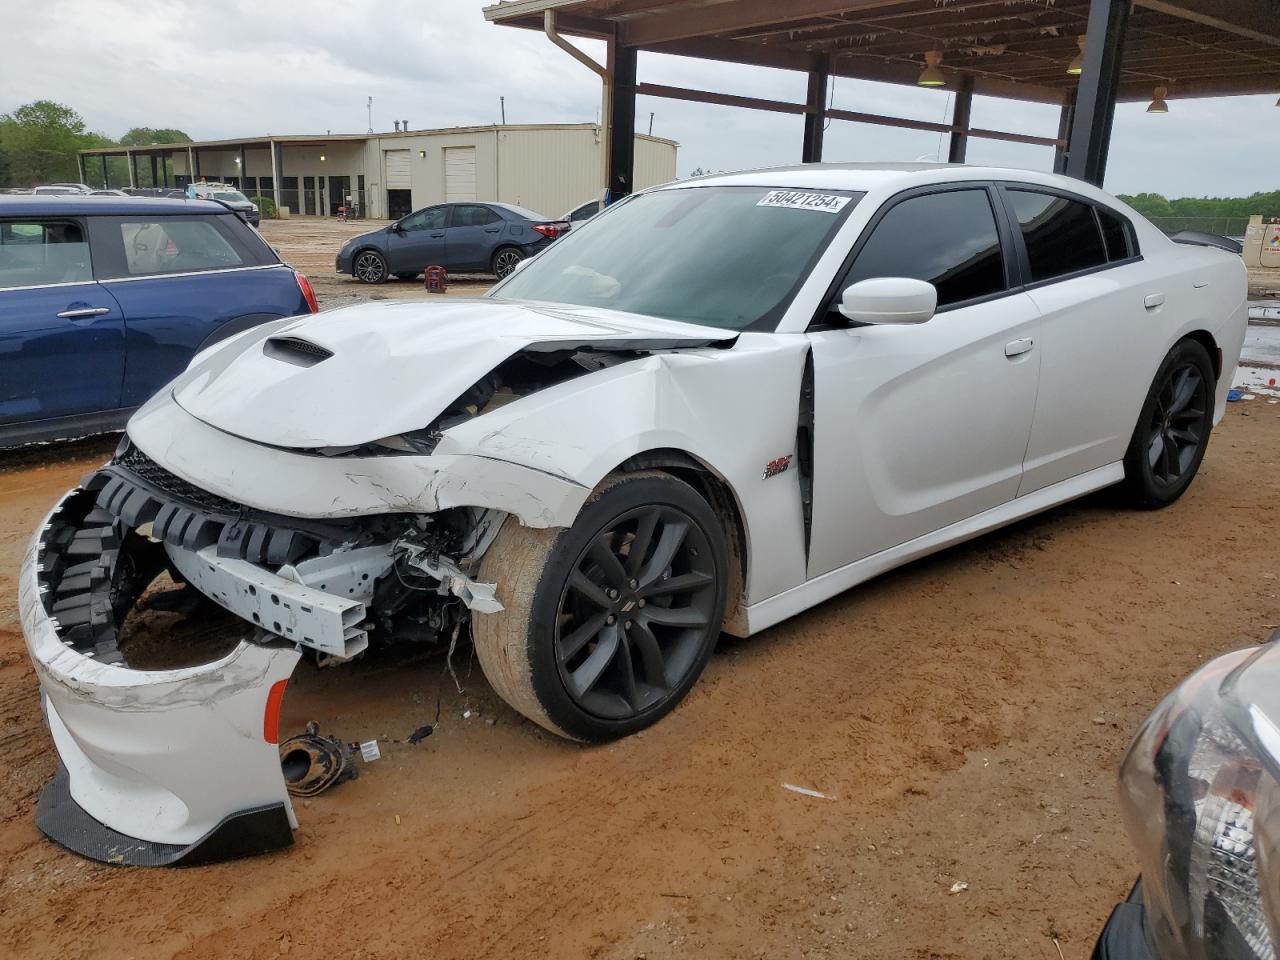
x=1200 y=788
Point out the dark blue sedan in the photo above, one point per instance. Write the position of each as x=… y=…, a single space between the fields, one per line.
x=464 y=237
x=103 y=301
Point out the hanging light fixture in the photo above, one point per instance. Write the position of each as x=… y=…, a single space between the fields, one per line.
x=1076 y=66
x=931 y=76
x=1157 y=104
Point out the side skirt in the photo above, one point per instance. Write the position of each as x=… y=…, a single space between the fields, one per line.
x=777 y=608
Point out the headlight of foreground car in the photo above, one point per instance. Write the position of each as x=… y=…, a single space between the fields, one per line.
x=1200 y=788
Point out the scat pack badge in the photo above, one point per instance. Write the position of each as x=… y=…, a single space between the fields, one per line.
x=775 y=467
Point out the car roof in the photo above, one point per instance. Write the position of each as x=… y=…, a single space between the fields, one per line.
x=78 y=204
x=885 y=176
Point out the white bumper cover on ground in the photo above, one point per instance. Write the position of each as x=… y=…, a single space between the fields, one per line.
x=173 y=765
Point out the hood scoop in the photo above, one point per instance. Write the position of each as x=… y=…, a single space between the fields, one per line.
x=295 y=350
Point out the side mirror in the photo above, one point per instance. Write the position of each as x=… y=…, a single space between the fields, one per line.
x=889 y=300
x=520 y=266
x=396 y=228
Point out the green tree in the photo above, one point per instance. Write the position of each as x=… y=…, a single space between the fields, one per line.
x=38 y=143
x=145 y=136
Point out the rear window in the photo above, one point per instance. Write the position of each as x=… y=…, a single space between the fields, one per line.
x=1061 y=235
x=144 y=246
x=521 y=211
x=38 y=253
x=1117 y=234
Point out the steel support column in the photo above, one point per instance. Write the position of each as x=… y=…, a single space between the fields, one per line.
x=1096 y=95
x=80 y=166
x=133 y=167
x=155 y=176
x=106 y=177
x=622 y=123
x=275 y=172
x=244 y=169
x=191 y=165
x=815 y=120
x=1065 y=119
x=960 y=120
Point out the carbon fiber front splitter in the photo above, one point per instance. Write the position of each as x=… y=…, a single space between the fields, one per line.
x=242 y=834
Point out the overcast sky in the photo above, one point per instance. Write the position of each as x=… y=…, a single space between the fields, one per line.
x=244 y=68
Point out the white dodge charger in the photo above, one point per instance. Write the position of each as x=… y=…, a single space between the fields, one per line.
x=713 y=406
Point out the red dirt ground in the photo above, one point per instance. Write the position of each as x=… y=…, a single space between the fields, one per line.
x=964 y=716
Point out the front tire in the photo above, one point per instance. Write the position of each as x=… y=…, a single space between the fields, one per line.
x=369 y=266
x=1169 y=441
x=606 y=625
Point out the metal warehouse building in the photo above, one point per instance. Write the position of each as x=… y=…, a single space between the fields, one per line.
x=549 y=168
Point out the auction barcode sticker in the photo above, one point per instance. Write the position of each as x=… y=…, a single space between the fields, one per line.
x=803 y=200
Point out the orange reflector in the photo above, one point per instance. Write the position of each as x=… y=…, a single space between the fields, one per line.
x=271 y=722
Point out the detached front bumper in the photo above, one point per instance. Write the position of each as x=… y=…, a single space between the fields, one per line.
x=172 y=766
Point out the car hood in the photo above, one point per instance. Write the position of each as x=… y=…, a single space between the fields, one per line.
x=350 y=376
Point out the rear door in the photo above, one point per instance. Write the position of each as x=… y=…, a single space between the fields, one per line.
x=474 y=231
x=1088 y=279
x=61 y=334
x=419 y=240
x=184 y=281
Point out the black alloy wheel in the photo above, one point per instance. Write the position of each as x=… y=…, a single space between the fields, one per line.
x=634 y=615
x=1178 y=425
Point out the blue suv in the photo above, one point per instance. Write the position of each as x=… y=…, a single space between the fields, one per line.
x=105 y=300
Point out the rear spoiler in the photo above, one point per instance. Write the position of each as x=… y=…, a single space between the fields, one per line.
x=1198 y=239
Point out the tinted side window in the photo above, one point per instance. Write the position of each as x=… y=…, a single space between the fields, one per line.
x=1061 y=235
x=1116 y=234
x=37 y=253
x=472 y=215
x=949 y=239
x=175 y=245
x=432 y=218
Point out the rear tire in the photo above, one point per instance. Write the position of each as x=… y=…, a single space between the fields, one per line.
x=505 y=261
x=369 y=266
x=596 y=641
x=1172 y=432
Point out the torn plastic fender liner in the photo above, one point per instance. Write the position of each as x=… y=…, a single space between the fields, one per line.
x=159 y=767
x=306 y=485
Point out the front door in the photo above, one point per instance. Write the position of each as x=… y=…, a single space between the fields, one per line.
x=418 y=241
x=920 y=427
x=339 y=191
x=61 y=333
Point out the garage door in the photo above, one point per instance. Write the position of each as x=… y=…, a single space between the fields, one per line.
x=460 y=173
x=398 y=170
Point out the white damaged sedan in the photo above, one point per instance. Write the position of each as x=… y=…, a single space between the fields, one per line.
x=709 y=408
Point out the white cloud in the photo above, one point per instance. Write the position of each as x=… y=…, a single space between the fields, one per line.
x=244 y=68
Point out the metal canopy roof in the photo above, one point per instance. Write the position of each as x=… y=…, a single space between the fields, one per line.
x=1011 y=48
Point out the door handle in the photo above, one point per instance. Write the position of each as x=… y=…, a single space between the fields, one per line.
x=82 y=312
x=1153 y=300
x=440 y=234
x=492 y=229
x=1016 y=348
x=1199 y=284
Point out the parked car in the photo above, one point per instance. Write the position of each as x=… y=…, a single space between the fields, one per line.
x=77 y=187
x=104 y=300
x=1200 y=790
x=57 y=190
x=479 y=237
x=108 y=193
x=583 y=213
x=227 y=195
x=721 y=404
